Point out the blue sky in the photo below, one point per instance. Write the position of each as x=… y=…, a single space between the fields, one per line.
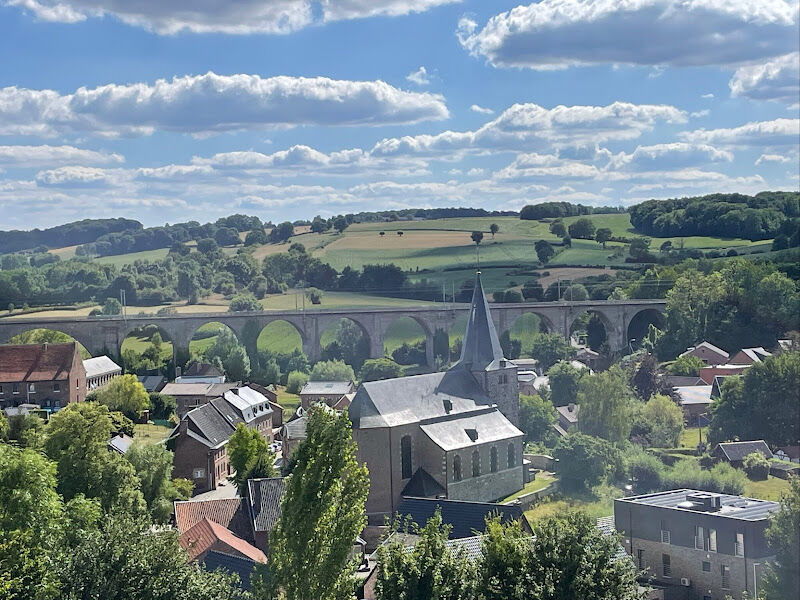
x=291 y=108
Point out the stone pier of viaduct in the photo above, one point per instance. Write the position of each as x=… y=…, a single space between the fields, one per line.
x=104 y=335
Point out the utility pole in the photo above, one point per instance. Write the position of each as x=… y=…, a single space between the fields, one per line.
x=122 y=301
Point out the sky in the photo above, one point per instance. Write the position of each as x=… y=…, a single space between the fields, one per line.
x=176 y=110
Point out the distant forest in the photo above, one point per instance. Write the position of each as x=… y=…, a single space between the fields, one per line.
x=760 y=217
x=559 y=210
x=79 y=232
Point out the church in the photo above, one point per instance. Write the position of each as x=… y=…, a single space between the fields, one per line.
x=448 y=435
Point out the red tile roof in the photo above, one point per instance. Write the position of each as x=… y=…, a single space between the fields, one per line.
x=231 y=513
x=205 y=534
x=34 y=362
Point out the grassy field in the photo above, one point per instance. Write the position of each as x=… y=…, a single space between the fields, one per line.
x=151 y=434
x=543 y=479
x=598 y=503
x=691 y=437
x=288 y=401
x=125 y=259
x=294 y=299
x=767 y=489
x=280 y=337
x=140 y=344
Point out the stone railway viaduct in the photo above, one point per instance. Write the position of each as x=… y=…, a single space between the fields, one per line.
x=104 y=335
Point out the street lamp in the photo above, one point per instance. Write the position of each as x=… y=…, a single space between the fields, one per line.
x=755 y=581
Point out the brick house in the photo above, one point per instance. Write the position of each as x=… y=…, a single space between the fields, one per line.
x=697 y=545
x=708 y=353
x=199 y=441
x=49 y=375
x=750 y=356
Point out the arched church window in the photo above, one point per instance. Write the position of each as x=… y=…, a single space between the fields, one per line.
x=493 y=459
x=476 y=463
x=512 y=459
x=456 y=468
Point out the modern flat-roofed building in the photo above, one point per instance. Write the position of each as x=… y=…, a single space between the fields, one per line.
x=697 y=545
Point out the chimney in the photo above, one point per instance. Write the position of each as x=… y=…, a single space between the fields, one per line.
x=44 y=347
x=177 y=372
x=571 y=407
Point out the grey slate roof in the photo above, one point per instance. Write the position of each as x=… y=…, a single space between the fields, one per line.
x=229 y=412
x=322 y=388
x=490 y=425
x=422 y=485
x=393 y=402
x=100 y=365
x=243 y=567
x=465 y=517
x=211 y=427
x=738 y=450
x=201 y=369
x=481 y=347
x=265 y=501
x=683 y=380
x=120 y=443
x=296 y=429
x=735 y=507
x=152 y=383
x=694 y=394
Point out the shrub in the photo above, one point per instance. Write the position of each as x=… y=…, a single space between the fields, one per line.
x=244 y=302
x=646 y=471
x=584 y=460
x=722 y=478
x=688 y=366
x=296 y=381
x=756 y=465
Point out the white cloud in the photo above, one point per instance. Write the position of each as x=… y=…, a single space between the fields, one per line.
x=212 y=103
x=779 y=132
x=78 y=177
x=675 y=155
x=241 y=17
x=561 y=33
x=481 y=110
x=778 y=79
x=545 y=166
x=420 y=76
x=707 y=96
x=529 y=127
x=43 y=156
x=700 y=113
x=773 y=158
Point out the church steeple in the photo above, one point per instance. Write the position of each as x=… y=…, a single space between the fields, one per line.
x=481 y=348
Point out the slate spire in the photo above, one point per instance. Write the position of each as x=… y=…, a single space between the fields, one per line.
x=481 y=347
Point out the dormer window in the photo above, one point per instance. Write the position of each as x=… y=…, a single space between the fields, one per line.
x=472 y=434
x=448 y=406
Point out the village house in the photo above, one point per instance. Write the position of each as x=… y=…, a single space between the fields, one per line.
x=191 y=395
x=735 y=452
x=694 y=401
x=100 y=370
x=454 y=430
x=330 y=393
x=200 y=372
x=697 y=545
x=749 y=356
x=567 y=417
x=48 y=375
x=708 y=353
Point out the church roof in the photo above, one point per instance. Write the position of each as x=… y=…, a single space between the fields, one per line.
x=472 y=430
x=423 y=485
x=393 y=402
x=481 y=348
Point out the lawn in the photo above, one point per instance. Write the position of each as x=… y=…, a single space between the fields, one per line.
x=288 y=401
x=199 y=344
x=140 y=344
x=151 y=434
x=598 y=503
x=767 y=489
x=125 y=259
x=403 y=330
x=543 y=479
x=280 y=337
x=294 y=299
x=691 y=437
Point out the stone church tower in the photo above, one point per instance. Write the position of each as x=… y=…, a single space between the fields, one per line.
x=482 y=355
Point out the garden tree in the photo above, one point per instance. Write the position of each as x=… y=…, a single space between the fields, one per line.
x=26 y=431
x=595 y=333
x=295 y=381
x=584 y=460
x=153 y=466
x=245 y=447
x=255 y=237
x=340 y=224
x=564 y=380
x=430 y=569
x=162 y=406
x=494 y=228
x=602 y=236
x=3 y=427
x=76 y=440
x=607 y=405
x=572 y=559
x=639 y=247
x=536 y=418
x=761 y=404
x=756 y=466
x=582 y=229
x=558 y=229
x=245 y=302
x=375 y=369
x=512 y=347
x=477 y=237
x=503 y=571
x=228 y=352
x=124 y=394
x=549 y=348
x=112 y=306
x=544 y=251
x=322 y=513
x=646 y=471
x=576 y=291
x=665 y=421
x=644 y=381
x=314 y=295
x=350 y=344
x=688 y=366
x=147 y=565
x=120 y=424
x=781 y=579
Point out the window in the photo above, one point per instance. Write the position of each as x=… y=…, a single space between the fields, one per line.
x=512 y=459
x=15 y=389
x=712 y=540
x=56 y=387
x=706 y=567
x=493 y=459
x=640 y=561
x=665 y=537
x=1 y=389
x=476 y=463
x=698 y=538
x=405 y=456
x=456 y=468
x=31 y=388
x=739 y=548
x=726 y=576
x=666 y=567
x=198 y=473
